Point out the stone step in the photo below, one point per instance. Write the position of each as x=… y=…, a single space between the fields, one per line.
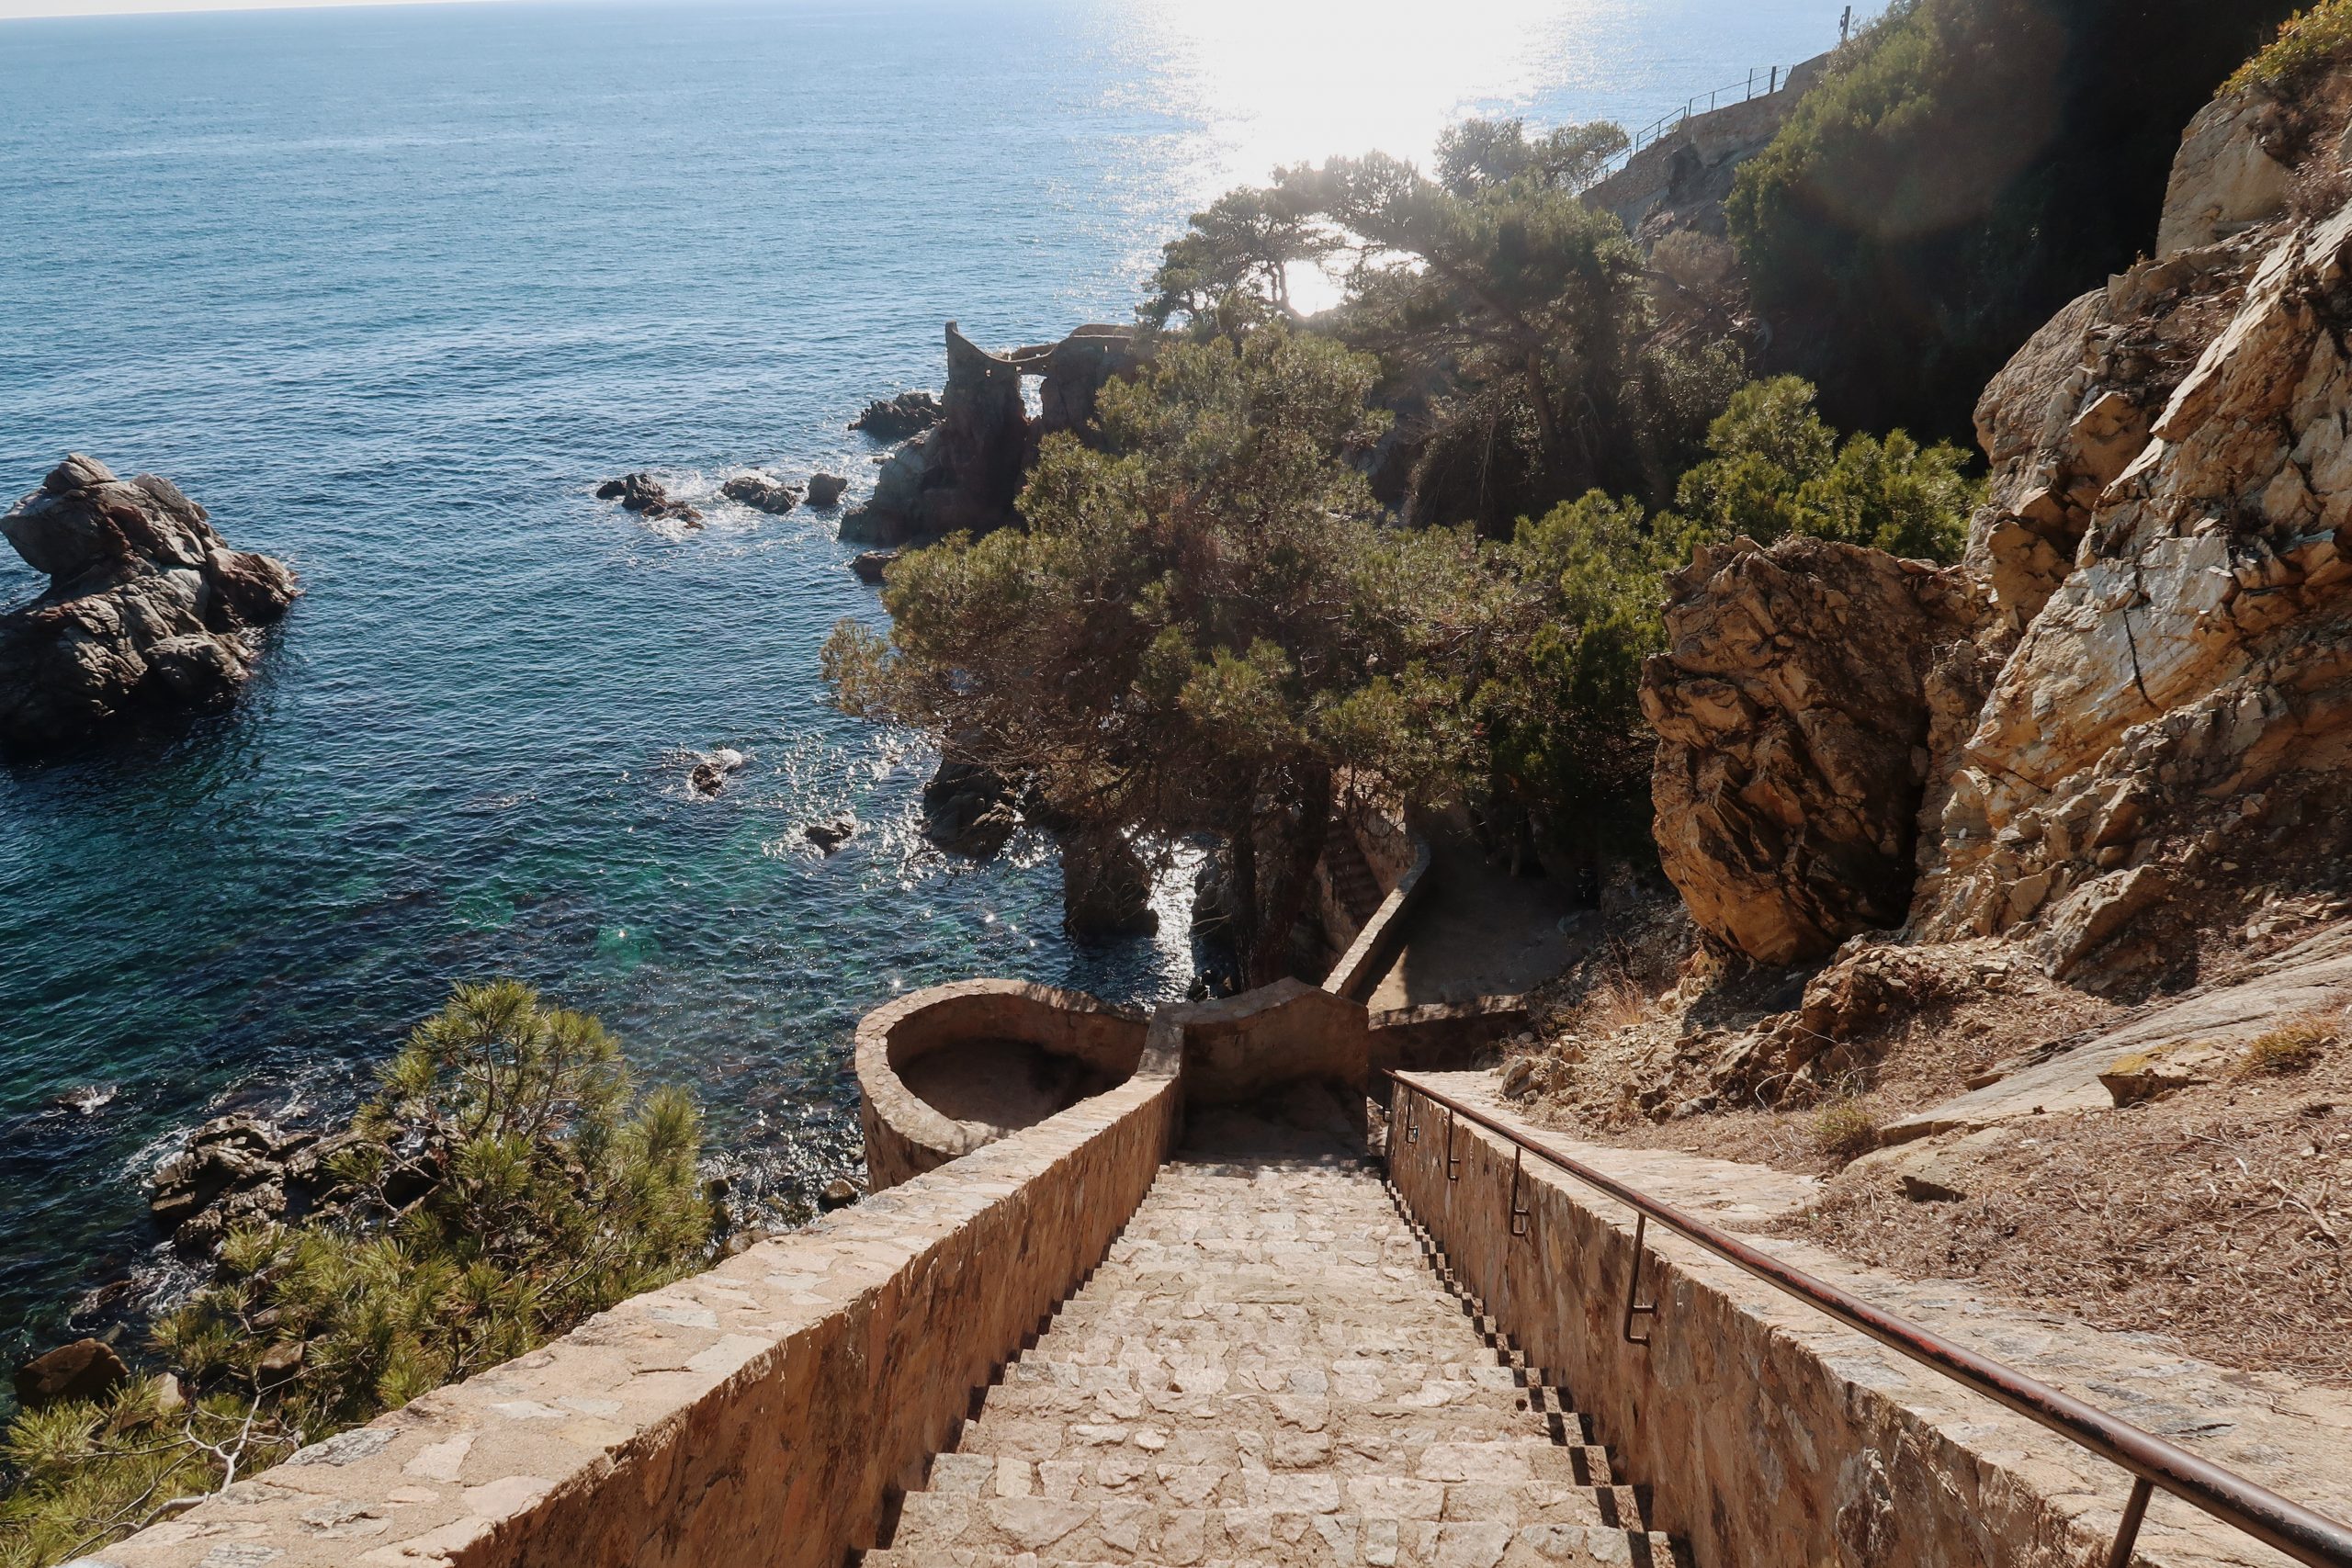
x=1361 y=1380
x=934 y=1526
x=1121 y=1472
x=1507 y=1447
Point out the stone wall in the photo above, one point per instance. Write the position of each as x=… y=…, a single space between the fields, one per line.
x=1375 y=947
x=904 y=1135
x=757 y=1415
x=1775 y=1438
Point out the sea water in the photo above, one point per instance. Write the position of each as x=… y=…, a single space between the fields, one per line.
x=390 y=290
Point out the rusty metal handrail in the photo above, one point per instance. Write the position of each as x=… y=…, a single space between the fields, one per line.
x=2276 y=1521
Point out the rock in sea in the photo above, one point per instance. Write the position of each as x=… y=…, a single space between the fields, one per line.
x=895 y=419
x=870 y=565
x=830 y=836
x=644 y=495
x=762 y=493
x=87 y=1369
x=825 y=489
x=146 y=607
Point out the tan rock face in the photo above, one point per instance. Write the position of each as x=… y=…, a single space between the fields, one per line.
x=2226 y=175
x=1793 y=723
x=2173 y=483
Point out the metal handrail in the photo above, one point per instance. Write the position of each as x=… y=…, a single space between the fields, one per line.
x=1773 y=78
x=2245 y=1504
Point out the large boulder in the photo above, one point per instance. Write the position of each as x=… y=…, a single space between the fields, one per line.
x=87 y=1369
x=147 y=607
x=968 y=809
x=1792 y=718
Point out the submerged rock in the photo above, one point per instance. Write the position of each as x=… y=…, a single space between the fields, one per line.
x=712 y=768
x=895 y=419
x=146 y=607
x=762 y=493
x=830 y=836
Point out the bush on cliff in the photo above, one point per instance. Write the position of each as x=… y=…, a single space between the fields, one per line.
x=1968 y=166
x=506 y=1184
x=1560 y=704
x=1202 y=628
x=1775 y=468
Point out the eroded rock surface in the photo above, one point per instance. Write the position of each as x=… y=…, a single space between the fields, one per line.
x=1793 y=723
x=147 y=605
x=2173 y=487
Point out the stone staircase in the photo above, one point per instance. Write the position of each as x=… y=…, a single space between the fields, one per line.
x=1354 y=885
x=1270 y=1368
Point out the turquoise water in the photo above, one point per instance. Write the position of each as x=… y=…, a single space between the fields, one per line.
x=390 y=290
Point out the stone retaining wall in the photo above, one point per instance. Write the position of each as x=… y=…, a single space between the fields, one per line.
x=906 y=1137
x=1775 y=1438
x=757 y=1415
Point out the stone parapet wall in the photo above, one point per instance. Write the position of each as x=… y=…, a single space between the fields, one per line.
x=1775 y=1438
x=904 y=1135
x=757 y=1415
x=1375 y=947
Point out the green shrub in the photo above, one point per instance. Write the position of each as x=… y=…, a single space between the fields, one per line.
x=2309 y=44
x=1966 y=168
x=1777 y=468
x=506 y=1184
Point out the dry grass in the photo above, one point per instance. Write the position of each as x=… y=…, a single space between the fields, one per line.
x=1844 y=1130
x=2295 y=1046
x=2221 y=1216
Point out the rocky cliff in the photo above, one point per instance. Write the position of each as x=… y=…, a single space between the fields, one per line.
x=147 y=607
x=964 y=470
x=2131 y=705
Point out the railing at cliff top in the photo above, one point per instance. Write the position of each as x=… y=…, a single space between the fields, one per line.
x=2243 y=1505
x=1771 y=78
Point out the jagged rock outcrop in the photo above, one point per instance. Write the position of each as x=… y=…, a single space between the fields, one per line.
x=2167 y=536
x=964 y=473
x=895 y=419
x=1792 y=722
x=240 y=1170
x=2133 y=699
x=2228 y=175
x=147 y=607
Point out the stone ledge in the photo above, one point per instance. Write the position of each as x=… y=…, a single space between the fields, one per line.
x=756 y=1415
x=905 y=1135
x=1775 y=1438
